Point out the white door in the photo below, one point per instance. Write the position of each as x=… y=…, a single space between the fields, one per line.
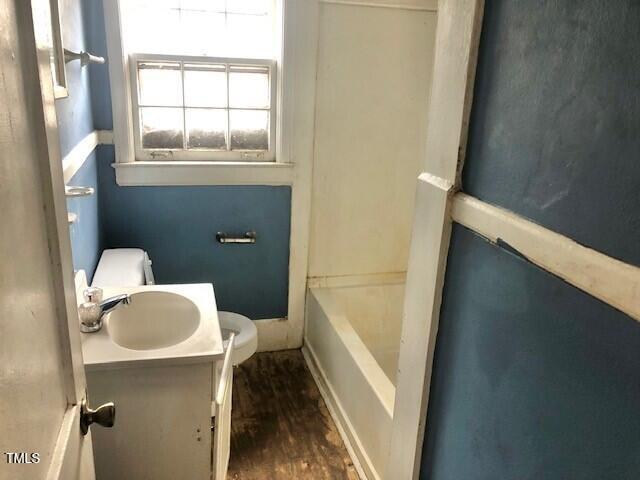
x=42 y=383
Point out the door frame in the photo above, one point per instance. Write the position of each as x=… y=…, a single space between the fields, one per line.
x=36 y=21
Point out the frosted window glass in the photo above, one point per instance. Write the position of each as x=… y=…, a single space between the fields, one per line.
x=249 y=129
x=238 y=28
x=205 y=86
x=160 y=84
x=249 y=88
x=206 y=128
x=161 y=127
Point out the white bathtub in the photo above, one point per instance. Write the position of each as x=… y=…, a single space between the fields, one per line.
x=352 y=340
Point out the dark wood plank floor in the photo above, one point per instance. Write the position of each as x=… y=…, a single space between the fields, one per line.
x=281 y=429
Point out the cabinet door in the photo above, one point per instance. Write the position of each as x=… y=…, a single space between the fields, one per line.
x=222 y=403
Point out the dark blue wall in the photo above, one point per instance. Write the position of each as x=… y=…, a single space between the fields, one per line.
x=177 y=226
x=533 y=378
x=556 y=118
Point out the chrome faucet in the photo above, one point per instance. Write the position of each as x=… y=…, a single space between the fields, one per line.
x=94 y=309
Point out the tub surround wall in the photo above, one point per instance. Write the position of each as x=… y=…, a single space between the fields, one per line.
x=373 y=76
x=374 y=71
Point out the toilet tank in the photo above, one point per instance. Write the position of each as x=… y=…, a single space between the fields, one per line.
x=123 y=267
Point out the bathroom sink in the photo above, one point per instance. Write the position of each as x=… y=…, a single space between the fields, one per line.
x=153 y=320
x=161 y=325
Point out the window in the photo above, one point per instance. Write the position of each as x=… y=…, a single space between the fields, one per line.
x=203 y=78
x=200 y=108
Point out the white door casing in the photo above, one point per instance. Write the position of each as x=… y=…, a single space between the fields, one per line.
x=457 y=40
x=42 y=382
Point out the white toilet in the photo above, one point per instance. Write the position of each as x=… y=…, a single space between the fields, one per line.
x=130 y=267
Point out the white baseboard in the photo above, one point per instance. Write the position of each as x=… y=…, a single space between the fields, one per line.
x=275 y=334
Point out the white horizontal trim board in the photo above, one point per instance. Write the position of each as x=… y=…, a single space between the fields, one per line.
x=336 y=281
x=612 y=281
x=74 y=160
x=203 y=173
x=421 y=5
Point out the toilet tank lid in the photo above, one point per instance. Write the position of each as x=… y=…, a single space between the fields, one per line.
x=121 y=267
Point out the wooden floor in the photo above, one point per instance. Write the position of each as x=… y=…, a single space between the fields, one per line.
x=281 y=429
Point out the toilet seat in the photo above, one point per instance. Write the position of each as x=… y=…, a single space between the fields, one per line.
x=246 y=340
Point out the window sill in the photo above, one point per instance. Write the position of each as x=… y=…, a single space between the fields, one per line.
x=203 y=173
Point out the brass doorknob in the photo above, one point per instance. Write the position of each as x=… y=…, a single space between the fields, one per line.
x=104 y=415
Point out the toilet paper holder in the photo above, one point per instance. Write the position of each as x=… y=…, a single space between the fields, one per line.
x=247 y=237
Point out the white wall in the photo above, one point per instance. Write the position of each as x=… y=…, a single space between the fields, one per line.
x=373 y=83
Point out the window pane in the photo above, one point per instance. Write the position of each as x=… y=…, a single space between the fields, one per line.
x=161 y=127
x=160 y=84
x=204 y=5
x=200 y=33
x=249 y=36
x=231 y=28
x=251 y=7
x=206 y=128
x=249 y=129
x=142 y=27
x=205 y=85
x=249 y=87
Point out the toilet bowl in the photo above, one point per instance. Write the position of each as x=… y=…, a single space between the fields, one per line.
x=246 y=339
x=130 y=267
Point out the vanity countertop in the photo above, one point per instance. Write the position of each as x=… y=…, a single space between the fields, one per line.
x=204 y=344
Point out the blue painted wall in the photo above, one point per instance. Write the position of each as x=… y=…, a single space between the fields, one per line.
x=533 y=378
x=87 y=237
x=75 y=121
x=556 y=115
x=177 y=226
x=75 y=114
x=98 y=74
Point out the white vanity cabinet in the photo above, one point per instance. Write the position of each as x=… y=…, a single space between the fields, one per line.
x=163 y=422
x=161 y=360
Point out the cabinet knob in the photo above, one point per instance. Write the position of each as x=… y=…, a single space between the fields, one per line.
x=104 y=415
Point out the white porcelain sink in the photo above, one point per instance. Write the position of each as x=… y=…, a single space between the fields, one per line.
x=163 y=324
x=153 y=320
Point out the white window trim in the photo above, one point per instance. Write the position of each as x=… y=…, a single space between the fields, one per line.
x=279 y=171
x=142 y=154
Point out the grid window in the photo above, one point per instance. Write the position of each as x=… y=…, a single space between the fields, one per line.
x=187 y=107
